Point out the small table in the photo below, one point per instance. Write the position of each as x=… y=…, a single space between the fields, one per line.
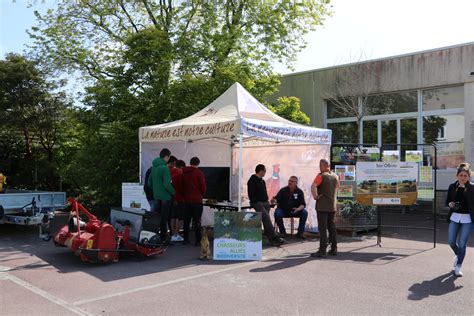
x=226 y=206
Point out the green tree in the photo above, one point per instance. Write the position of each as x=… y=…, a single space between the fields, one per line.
x=32 y=115
x=148 y=62
x=290 y=108
x=193 y=37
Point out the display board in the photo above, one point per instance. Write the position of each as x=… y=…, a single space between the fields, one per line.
x=237 y=236
x=133 y=196
x=386 y=183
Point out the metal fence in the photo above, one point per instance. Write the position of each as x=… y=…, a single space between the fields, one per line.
x=389 y=220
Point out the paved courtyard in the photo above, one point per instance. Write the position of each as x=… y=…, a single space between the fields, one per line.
x=404 y=276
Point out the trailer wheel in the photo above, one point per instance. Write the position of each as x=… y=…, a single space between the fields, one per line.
x=2 y=211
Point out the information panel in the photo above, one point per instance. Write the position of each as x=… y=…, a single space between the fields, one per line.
x=237 y=236
x=387 y=183
x=133 y=196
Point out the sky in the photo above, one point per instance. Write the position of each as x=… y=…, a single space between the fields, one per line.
x=358 y=29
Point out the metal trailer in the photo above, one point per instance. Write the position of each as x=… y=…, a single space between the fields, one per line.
x=30 y=208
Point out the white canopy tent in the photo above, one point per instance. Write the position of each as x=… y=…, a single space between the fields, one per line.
x=234 y=119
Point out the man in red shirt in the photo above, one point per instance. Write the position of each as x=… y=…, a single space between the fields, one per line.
x=177 y=207
x=194 y=185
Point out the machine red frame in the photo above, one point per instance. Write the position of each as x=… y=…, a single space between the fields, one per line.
x=98 y=241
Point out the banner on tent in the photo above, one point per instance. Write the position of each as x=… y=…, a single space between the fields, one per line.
x=220 y=129
x=279 y=130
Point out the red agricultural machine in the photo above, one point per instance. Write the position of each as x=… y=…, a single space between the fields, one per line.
x=96 y=241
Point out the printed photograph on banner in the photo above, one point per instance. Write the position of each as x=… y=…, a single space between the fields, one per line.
x=345 y=190
x=406 y=186
x=426 y=174
x=391 y=155
x=413 y=156
x=387 y=186
x=366 y=187
x=237 y=236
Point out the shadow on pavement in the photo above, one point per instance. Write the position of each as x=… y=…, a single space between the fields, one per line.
x=438 y=286
x=20 y=245
x=353 y=256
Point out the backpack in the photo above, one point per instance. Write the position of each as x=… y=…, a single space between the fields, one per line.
x=148 y=190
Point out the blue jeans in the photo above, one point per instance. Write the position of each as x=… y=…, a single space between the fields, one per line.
x=458 y=235
x=281 y=213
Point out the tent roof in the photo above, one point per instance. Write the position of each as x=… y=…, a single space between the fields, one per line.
x=234 y=112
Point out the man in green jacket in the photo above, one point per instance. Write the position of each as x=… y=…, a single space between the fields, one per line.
x=160 y=182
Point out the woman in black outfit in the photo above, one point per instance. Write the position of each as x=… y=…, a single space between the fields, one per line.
x=460 y=200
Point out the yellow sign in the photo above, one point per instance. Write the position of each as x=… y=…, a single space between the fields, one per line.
x=3 y=180
x=90 y=242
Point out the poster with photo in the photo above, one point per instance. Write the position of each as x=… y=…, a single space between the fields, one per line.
x=426 y=174
x=391 y=155
x=345 y=173
x=237 y=236
x=350 y=154
x=413 y=156
x=133 y=196
x=345 y=190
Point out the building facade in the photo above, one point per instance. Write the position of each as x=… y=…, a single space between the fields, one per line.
x=420 y=98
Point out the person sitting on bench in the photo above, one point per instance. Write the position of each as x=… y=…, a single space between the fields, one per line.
x=291 y=203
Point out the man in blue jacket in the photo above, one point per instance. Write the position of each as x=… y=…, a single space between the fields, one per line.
x=291 y=203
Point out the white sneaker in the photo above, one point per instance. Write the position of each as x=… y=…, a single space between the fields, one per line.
x=457 y=271
x=455 y=263
x=174 y=238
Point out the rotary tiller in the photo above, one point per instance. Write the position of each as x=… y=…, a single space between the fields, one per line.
x=97 y=241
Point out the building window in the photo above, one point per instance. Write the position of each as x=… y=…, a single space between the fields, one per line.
x=443 y=98
x=393 y=103
x=369 y=132
x=344 y=133
x=392 y=118
x=343 y=107
x=441 y=134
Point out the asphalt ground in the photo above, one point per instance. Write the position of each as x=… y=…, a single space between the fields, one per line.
x=406 y=275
